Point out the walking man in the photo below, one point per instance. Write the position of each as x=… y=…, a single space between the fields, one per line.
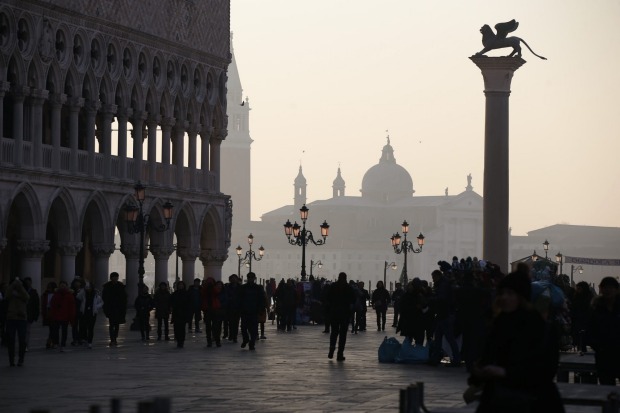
x=340 y=298
x=114 y=305
x=252 y=300
x=16 y=319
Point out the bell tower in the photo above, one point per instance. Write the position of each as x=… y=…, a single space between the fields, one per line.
x=300 y=190
x=338 y=185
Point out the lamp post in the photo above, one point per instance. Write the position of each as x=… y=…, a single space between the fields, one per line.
x=249 y=255
x=546 y=247
x=572 y=270
x=138 y=223
x=315 y=264
x=405 y=247
x=559 y=258
x=385 y=267
x=300 y=236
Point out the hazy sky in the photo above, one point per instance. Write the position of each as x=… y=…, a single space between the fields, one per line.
x=326 y=78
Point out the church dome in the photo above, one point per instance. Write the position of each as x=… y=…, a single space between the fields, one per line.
x=387 y=181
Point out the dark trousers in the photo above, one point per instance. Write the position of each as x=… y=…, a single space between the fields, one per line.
x=339 y=329
x=164 y=321
x=143 y=323
x=233 y=325
x=179 y=333
x=213 y=326
x=249 y=328
x=13 y=328
x=396 y=317
x=381 y=316
x=60 y=326
x=87 y=326
x=76 y=337
x=113 y=329
x=195 y=317
x=446 y=327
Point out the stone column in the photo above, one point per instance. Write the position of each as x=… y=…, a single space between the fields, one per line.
x=138 y=139
x=68 y=252
x=191 y=133
x=19 y=94
x=205 y=135
x=31 y=253
x=166 y=128
x=161 y=255
x=188 y=259
x=75 y=104
x=105 y=145
x=132 y=255
x=4 y=87
x=151 y=124
x=102 y=254
x=37 y=97
x=91 y=116
x=216 y=143
x=212 y=262
x=497 y=73
x=56 y=101
x=122 y=115
x=178 y=151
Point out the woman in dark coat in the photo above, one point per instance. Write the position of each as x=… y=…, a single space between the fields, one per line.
x=413 y=306
x=379 y=301
x=181 y=312
x=521 y=356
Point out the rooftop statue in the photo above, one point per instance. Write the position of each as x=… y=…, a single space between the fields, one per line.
x=492 y=41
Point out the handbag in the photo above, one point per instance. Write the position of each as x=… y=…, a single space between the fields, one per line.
x=412 y=354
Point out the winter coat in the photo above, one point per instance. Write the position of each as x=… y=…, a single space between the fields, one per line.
x=181 y=308
x=252 y=299
x=114 y=301
x=195 y=297
x=162 y=303
x=90 y=302
x=33 y=306
x=46 y=301
x=340 y=299
x=380 y=299
x=144 y=304
x=17 y=298
x=233 y=303
x=603 y=334
x=62 y=307
x=396 y=297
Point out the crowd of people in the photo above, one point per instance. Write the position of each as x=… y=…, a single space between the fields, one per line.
x=510 y=336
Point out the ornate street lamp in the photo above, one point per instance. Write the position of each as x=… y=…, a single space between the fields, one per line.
x=315 y=264
x=385 y=267
x=546 y=247
x=138 y=223
x=300 y=236
x=572 y=270
x=405 y=247
x=559 y=258
x=249 y=255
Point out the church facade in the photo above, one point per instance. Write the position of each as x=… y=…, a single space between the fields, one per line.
x=94 y=98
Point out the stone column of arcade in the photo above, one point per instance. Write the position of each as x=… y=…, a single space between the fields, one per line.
x=31 y=253
x=188 y=258
x=161 y=255
x=212 y=264
x=497 y=73
x=68 y=252
x=131 y=253
x=102 y=253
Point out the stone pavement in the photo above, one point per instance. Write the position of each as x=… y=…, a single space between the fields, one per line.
x=288 y=372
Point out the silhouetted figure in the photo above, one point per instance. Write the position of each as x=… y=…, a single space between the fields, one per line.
x=114 y=305
x=340 y=298
x=252 y=298
x=181 y=312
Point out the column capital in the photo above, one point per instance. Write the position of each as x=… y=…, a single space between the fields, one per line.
x=162 y=252
x=497 y=71
x=130 y=251
x=124 y=113
x=4 y=86
x=57 y=99
x=92 y=106
x=70 y=248
x=102 y=250
x=167 y=122
x=194 y=129
x=20 y=92
x=3 y=242
x=188 y=253
x=181 y=125
x=220 y=134
x=153 y=120
x=213 y=256
x=206 y=132
x=33 y=248
x=75 y=104
x=108 y=108
x=139 y=115
x=38 y=96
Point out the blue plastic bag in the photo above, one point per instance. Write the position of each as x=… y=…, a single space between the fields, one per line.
x=412 y=354
x=388 y=350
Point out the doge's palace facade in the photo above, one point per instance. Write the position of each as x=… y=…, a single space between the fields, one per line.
x=94 y=97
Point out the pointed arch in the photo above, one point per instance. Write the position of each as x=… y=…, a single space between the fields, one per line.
x=53 y=82
x=179 y=109
x=151 y=105
x=211 y=229
x=137 y=99
x=106 y=90
x=73 y=84
x=90 y=91
x=35 y=74
x=62 y=206
x=121 y=94
x=165 y=105
x=96 y=206
x=16 y=70
x=28 y=209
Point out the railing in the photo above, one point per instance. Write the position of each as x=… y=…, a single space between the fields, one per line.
x=204 y=180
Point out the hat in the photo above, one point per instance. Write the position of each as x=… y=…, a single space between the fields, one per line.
x=517 y=282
